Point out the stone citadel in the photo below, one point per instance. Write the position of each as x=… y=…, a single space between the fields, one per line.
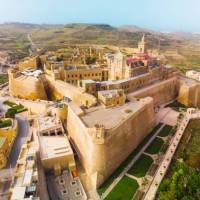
x=107 y=99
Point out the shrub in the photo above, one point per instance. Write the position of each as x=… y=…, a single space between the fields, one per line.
x=5 y=123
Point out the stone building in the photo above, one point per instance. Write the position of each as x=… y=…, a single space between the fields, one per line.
x=49 y=126
x=123 y=66
x=56 y=154
x=25 y=179
x=74 y=74
x=111 y=98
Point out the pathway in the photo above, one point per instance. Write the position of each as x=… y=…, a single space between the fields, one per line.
x=165 y=163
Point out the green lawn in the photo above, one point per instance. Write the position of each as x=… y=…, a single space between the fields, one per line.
x=141 y=166
x=9 y=103
x=124 y=190
x=155 y=146
x=5 y=123
x=14 y=108
x=116 y=173
x=166 y=130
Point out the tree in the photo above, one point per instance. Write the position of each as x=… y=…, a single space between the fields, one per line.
x=183 y=183
x=90 y=60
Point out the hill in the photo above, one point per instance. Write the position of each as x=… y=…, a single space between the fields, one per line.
x=182 y=49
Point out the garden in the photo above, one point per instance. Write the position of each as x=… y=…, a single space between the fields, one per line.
x=182 y=180
x=141 y=166
x=5 y=123
x=155 y=146
x=13 y=108
x=124 y=190
x=119 y=170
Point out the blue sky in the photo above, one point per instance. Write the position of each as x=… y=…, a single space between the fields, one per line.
x=164 y=15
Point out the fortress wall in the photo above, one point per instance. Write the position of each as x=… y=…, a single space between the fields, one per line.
x=27 y=88
x=121 y=141
x=34 y=107
x=161 y=92
x=62 y=89
x=189 y=92
x=29 y=63
x=101 y=151
x=80 y=138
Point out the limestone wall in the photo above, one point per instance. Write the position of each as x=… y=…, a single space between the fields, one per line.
x=34 y=107
x=60 y=89
x=10 y=133
x=97 y=146
x=26 y=87
x=29 y=63
x=189 y=92
x=161 y=92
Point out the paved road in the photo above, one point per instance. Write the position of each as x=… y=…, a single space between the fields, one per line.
x=33 y=45
x=7 y=173
x=19 y=141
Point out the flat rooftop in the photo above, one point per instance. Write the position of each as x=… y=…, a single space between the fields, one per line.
x=110 y=93
x=46 y=123
x=54 y=146
x=32 y=72
x=188 y=81
x=66 y=187
x=100 y=115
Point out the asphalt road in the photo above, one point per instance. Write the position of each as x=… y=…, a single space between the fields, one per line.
x=19 y=141
x=23 y=128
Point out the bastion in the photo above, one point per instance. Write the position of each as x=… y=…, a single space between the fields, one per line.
x=26 y=87
x=189 y=92
x=101 y=135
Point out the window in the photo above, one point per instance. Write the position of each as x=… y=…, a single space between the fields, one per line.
x=64 y=191
x=73 y=182
x=78 y=193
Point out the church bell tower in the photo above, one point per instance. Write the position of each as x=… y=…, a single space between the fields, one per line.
x=142 y=45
